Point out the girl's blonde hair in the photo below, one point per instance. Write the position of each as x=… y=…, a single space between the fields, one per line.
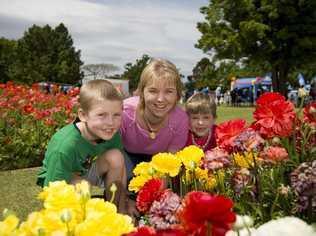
x=95 y=91
x=201 y=103
x=159 y=69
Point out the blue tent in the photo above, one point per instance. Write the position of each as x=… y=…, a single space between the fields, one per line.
x=247 y=82
x=254 y=85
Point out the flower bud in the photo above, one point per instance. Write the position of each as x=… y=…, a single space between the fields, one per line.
x=66 y=216
x=276 y=141
x=113 y=188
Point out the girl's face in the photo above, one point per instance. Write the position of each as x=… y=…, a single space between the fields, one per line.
x=160 y=97
x=200 y=124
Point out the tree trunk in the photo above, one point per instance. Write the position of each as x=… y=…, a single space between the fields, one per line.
x=279 y=78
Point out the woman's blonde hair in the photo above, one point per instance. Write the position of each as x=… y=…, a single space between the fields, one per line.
x=159 y=69
x=201 y=103
x=95 y=91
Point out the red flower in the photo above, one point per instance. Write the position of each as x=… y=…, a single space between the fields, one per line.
x=150 y=192
x=172 y=232
x=310 y=113
x=149 y=231
x=201 y=209
x=227 y=131
x=267 y=98
x=274 y=118
x=28 y=108
x=143 y=231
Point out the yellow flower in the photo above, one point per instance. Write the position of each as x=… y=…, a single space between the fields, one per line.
x=48 y=222
x=190 y=156
x=166 y=163
x=103 y=219
x=110 y=225
x=245 y=160
x=96 y=207
x=138 y=182
x=144 y=168
x=59 y=195
x=210 y=183
x=8 y=226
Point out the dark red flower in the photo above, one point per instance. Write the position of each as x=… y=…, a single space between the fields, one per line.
x=275 y=118
x=150 y=192
x=175 y=231
x=227 y=131
x=28 y=108
x=310 y=113
x=269 y=97
x=201 y=209
x=143 y=231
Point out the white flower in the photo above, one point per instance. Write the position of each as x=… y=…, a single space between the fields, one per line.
x=289 y=226
x=243 y=222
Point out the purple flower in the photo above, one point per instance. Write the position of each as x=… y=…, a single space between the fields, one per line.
x=303 y=181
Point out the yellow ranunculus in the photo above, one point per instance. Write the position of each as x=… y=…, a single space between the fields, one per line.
x=59 y=195
x=190 y=156
x=144 y=168
x=245 y=160
x=166 y=163
x=138 y=182
x=8 y=226
x=110 y=225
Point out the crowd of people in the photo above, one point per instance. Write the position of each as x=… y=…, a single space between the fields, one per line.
x=111 y=135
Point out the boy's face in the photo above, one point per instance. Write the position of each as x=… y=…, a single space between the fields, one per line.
x=200 y=123
x=103 y=119
x=160 y=97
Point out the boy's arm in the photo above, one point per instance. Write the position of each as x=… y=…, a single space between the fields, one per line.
x=59 y=167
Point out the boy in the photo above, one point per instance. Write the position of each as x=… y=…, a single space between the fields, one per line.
x=90 y=148
x=201 y=110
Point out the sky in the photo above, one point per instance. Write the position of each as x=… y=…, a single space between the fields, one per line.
x=115 y=31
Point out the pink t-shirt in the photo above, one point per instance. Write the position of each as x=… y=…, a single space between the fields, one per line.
x=170 y=138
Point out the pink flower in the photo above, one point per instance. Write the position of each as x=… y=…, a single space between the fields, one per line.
x=274 y=154
x=162 y=213
x=215 y=159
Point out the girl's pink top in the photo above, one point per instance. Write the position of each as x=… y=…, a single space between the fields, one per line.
x=170 y=138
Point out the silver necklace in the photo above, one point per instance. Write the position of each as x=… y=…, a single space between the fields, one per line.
x=207 y=140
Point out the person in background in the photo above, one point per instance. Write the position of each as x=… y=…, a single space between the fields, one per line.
x=152 y=122
x=201 y=110
x=90 y=148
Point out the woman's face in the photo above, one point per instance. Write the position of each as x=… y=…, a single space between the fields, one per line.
x=160 y=97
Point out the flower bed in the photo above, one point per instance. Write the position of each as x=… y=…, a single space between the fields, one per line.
x=28 y=119
x=260 y=180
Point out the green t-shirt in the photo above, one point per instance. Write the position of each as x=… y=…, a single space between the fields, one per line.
x=68 y=152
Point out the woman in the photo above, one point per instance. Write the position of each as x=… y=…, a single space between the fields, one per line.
x=153 y=122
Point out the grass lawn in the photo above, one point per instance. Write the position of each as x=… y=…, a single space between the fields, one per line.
x=19 y=191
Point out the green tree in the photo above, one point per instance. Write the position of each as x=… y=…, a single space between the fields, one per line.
x=276 y=35
x=133 y=71
x=7 y=55
x=46 y=54
x=204 y=74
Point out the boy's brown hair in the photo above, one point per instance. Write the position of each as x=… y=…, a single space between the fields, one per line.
x=159 y=69
x=201 y=103
x=95 y=91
